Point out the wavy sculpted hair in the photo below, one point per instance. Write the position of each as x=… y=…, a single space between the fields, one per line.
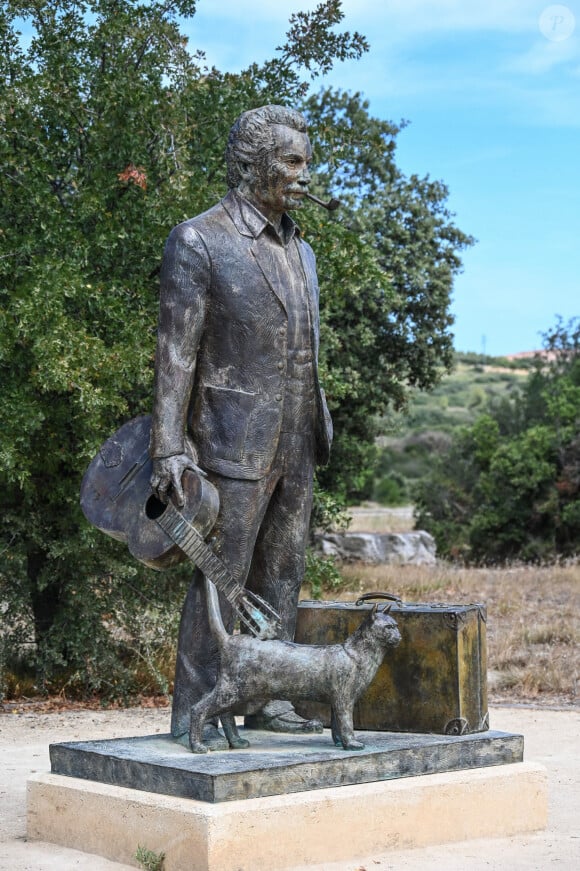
x=251 y=137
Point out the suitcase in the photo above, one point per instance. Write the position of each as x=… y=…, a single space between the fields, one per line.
x=434 y=681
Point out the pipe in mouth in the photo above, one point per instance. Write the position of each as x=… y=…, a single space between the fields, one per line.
x=331 y=205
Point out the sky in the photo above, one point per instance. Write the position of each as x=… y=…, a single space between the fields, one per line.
x=491 y=89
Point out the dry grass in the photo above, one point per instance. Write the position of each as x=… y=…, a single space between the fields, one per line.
x=533 y=626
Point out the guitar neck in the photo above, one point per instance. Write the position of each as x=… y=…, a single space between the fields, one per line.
x=192 y=544
x=257 y=615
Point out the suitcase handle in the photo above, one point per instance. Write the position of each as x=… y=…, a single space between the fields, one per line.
x=367 y=596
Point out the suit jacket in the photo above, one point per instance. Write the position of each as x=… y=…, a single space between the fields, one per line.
x=222 y=344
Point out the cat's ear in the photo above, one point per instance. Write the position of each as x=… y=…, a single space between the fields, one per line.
x=374 y=611
x=386 y=610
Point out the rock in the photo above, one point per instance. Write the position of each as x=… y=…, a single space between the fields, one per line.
x=413 y=548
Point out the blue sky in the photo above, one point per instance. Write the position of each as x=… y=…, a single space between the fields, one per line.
x=492 y=91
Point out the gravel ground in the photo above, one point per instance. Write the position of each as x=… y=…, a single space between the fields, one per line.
x=551 y=738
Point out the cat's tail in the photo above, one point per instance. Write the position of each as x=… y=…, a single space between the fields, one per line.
x=216 y=624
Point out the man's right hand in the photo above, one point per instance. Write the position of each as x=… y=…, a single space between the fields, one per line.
x=167 y=475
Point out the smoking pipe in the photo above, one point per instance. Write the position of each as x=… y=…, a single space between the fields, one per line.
x=331 y=205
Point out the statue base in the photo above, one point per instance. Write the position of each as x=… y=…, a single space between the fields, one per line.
x=309 y=825
x=276 y=764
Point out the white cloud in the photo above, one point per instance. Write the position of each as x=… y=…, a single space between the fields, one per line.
x=544 y=55
x=552 y=107
x=429 y=16
x=418 y=56
x=394 y=19
x=260 y=11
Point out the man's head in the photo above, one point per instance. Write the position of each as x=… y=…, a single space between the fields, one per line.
x=267 y=158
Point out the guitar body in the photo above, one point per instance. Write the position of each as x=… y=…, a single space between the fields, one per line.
x=117 y=498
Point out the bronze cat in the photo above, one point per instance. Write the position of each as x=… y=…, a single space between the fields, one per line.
x=252 y=671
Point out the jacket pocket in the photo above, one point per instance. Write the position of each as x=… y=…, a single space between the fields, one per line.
x=223 y=421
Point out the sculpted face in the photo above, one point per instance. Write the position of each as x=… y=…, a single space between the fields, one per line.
x=279 y=182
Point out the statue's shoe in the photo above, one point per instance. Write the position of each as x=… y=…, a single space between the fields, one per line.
x=279 y=716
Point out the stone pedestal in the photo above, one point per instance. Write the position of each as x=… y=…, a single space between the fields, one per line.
x=280 y=832
x=288 y=800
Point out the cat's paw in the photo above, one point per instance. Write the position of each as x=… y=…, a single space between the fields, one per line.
x=198 y=747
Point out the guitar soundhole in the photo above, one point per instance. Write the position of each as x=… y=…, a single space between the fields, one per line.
x=154 y=508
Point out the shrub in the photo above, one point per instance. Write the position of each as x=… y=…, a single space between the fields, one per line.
x=391 y=489
x=509 y=486
x=322 y=574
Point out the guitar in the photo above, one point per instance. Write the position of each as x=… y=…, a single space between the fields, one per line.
x=117 y=498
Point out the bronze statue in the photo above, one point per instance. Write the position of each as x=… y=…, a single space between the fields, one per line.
x=237 y=391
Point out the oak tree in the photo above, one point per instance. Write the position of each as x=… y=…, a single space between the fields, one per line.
x=113 y=131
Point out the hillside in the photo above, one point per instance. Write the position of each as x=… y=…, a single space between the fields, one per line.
x=408 y=441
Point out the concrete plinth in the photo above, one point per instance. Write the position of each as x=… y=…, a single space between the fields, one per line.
x=284 y=831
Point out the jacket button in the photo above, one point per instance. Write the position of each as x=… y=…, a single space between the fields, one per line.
x=280 y=365
x=278 y=397
x=282 y=331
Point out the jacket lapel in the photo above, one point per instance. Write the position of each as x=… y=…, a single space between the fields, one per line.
x=311 y=291
x=249 y=222
x=267 y=264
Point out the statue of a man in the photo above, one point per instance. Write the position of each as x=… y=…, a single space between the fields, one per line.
x=237 y=388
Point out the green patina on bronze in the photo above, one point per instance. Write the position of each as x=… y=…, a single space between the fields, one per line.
x=434 y=681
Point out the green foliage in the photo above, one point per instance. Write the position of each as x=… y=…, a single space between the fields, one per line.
x=509 y=486
x=410 y=440
x=386 y=270
x=113 y=132
x=328 y=511
x=149 y=860
x=470 y=389
x=472 y=358
x=391 y=489
x=322 y=574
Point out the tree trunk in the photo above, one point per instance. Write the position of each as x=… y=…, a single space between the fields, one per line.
x=44 y=596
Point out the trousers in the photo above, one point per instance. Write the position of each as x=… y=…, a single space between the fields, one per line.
x=261 y=534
